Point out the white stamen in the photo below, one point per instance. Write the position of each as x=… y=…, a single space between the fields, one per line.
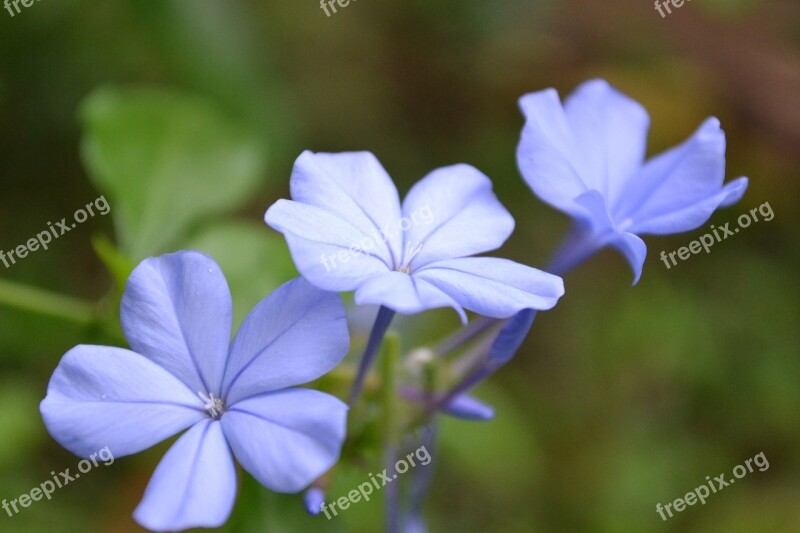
x=214 y=406
x=411 y=252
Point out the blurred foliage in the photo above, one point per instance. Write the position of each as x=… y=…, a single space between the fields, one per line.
x=165 y=160
x=187 y=116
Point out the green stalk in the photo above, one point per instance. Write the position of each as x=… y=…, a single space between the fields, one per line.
x=43 y=302
x=389 y=398
x=390 y=404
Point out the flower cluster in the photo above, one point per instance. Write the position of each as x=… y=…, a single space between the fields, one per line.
x=240 y=399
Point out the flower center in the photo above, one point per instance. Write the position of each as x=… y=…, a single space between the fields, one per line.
x=410 y=253
x=215 y=407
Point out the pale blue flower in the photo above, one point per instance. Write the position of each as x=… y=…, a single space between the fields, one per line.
x=587 y=158
x=184 y=373
x=348 y=231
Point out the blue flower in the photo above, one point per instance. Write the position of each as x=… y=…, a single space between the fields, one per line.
x=348 y=231
x=586 y=158
x=184 y=373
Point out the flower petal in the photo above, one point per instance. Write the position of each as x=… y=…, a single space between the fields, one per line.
x=493 y=287
x=194 y=485
x=694 y=215
x=328 y=250
x=469 y=408
x=634 y=249
x=606 y=233
x=406 y=294
x=675 y=180
x=733 y=191
x=451 y=213
x=547 y=155
x=293 y=336
x=510 y=338
x=610 y=130
x=287 y=439
x=354 y=186
x=101 y=396
x=177 y=311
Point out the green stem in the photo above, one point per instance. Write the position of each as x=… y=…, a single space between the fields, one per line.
x=389 y=397
x=390 y=429
x=26 y=298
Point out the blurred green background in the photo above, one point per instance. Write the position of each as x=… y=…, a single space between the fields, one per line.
x=188 y=115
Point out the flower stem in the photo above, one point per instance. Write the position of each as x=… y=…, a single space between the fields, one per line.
x=578 y=246
x=392 y=493
x=475 y=377
x=379 y=329
x=500 y=344
x=464 y=335
x=47 y=303
x=421 y=480
x=390 y=430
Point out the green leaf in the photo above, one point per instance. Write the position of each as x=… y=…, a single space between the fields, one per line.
x=166 y=160
x=115 y=261
x=254 y=259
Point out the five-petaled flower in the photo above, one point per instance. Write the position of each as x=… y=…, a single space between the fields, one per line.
x=184 y=373
x=586 y=158
x=344 y=201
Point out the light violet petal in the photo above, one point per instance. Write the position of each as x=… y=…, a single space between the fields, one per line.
x=493 y=287
x=451 y=213
x=293 y=336
x=468 y=408
x=406 y=294
x=109 y=397
x=692 y=216
x=287 y=439
x=610 y=130
x=314 y=500
x=547 y=155
x=177 y=311
x=733 y=191
x=634 y=249
x=510 y=338
x=592 y=211
x=354 y=186
x=606 y=233
x=328 y=250
x=677 y=178
x=194 y=485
